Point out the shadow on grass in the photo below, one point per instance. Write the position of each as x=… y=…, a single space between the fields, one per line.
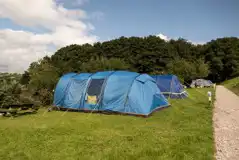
x=108 y=112
x=25 y=113
x=21 y=114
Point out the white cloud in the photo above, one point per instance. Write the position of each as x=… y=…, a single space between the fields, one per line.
x=19 y=48
x=160 y=35
x=166 y=38
x=73 y=2
x=197 y=43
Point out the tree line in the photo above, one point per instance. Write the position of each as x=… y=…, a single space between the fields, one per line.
x=216 y=60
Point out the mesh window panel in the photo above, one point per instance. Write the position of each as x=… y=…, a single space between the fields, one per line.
x=95 y=87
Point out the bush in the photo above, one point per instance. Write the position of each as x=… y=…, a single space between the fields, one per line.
x=45 y=97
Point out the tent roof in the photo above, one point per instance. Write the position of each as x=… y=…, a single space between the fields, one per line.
x=166 y=76
x=104 y=74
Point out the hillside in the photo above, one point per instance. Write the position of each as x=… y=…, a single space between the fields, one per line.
x=232 y=84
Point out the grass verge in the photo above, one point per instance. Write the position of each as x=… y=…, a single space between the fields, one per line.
x=233 y=85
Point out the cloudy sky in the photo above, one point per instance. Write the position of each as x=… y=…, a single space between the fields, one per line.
x=31 y=29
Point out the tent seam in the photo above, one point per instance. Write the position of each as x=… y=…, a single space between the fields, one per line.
x=127 y=95
x=104 y=85
x=83 y=101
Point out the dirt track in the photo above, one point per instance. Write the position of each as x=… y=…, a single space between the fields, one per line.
x=226 y=124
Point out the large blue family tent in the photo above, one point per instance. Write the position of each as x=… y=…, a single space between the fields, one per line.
x=170 y=86
x=109 y=91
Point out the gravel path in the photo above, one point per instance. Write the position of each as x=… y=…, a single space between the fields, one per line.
x=226 y=124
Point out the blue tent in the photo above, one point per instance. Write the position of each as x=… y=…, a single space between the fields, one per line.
x=111 y=91
x=170 y=86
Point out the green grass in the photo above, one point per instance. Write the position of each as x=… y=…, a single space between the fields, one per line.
x=233 y=85
x=182 y=131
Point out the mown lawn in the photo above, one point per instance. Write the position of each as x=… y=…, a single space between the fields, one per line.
x=233 y=85
x=182 y=131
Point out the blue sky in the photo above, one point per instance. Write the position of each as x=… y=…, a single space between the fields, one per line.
x=196 y=20
x=31 y=29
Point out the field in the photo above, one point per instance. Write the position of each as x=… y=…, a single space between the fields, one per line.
x=233 y=85
x=182 y=131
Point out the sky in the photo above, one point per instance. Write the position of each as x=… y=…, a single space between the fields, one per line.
x=32 y=29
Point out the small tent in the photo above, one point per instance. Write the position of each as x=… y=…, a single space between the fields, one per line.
x=170 y=86
x=110 y=91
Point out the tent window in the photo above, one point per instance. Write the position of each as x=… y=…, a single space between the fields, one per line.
x=95 y=87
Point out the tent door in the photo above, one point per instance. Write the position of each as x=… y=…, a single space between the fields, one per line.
x=94 y=93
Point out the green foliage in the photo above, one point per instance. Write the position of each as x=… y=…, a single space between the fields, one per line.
x=70 y=58
x=25 y=78
x=202 y=68
x=45 y=96
x=102 y=64
x=223 y=56
x=182 y=68
x=43 y=78
x=10 y=89
x=152 y=55
x=43 y=75
x=188 y=70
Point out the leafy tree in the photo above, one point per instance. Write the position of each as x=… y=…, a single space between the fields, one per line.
x=223 y=56
x=202 y=68
x=43 y=78
x=188 y=70
x=25 y=78
x=102 y=64
x=10 y=89
x=185 y=70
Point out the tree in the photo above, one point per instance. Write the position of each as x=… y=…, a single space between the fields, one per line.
x=188 y=70
x=43 y=79
x=223 y=56
x=185 y=70
x=10 y=89
x=43 y=76
x=103 y=64
x=202 y=68
x=25 y=78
